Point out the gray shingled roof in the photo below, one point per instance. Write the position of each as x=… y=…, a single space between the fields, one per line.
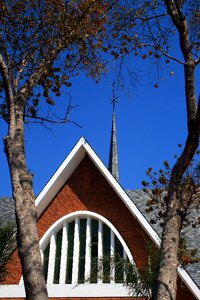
x=192 y=235
x=7 y=211
x=139 y=198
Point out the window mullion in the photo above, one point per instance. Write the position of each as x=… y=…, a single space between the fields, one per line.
x=75 y=253
x=88 y=249
x=63 y=261
x=100 y=252
x=125 y=259
x=51 y=265
x=112 y=258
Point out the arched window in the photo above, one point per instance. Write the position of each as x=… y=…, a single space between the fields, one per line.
x=83 y=247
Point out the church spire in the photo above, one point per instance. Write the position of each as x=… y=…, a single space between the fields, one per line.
x=113 y=157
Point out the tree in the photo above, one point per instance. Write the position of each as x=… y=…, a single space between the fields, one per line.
x=189 y=188
x=162 y=22
x=42 y=44
x=157 y=186
x=159 y=26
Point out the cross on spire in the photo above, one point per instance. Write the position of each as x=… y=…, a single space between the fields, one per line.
x=114 y=99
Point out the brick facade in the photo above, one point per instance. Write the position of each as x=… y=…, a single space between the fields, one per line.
x=87 y=189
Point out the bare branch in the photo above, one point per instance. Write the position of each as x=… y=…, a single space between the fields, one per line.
x=145 y=19
x=42 y=121
x=54 y=119
x=161 y=49
x=13 y=36
x=169 y=56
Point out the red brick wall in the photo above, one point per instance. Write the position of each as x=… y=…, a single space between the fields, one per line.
x=87 y=189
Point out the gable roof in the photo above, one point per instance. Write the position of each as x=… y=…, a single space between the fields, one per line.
x=76 y=155
x=133 y=200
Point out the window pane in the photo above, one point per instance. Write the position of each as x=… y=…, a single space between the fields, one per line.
x=119 y=262
x=94 y=250
x=46 y=261
x=106 y=254
x=70 y=252
x=82 y=240
x=58 y=256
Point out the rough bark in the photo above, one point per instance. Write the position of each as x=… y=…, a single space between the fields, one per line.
x=26 y=216
x=21 y=179
x=166 y=285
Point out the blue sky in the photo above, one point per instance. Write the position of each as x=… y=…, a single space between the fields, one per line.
x=150 y=124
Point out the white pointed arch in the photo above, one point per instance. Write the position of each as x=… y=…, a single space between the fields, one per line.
x=76 y=260
x=81 y=214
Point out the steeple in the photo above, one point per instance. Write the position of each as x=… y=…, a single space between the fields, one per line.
x=113 y=157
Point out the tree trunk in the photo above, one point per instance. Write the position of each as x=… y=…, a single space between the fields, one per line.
x=166 y=284
x=26 y=216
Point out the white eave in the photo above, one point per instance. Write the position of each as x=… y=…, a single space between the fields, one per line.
x=65 y=171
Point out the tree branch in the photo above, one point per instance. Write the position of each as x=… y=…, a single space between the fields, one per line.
x=169 y=56
x=197 y=61
x=41 y=70
x=177 y=5
x=6 y=81
x=42 y=120
x=152 y=17
x=173 y=13
x=55 y=119
x=198 y=115
x=161 y=49
x=9 y=95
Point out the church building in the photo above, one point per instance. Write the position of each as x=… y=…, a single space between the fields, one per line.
x=84 y=216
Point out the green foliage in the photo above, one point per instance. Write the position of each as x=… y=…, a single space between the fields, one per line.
x=186 y=255
x=188 y=192
x=7 y=238
x=139 y=281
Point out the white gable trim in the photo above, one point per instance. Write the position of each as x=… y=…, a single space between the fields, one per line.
x=60 y=176
x=189 y=282
x=66 y=169
x=64 y=172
